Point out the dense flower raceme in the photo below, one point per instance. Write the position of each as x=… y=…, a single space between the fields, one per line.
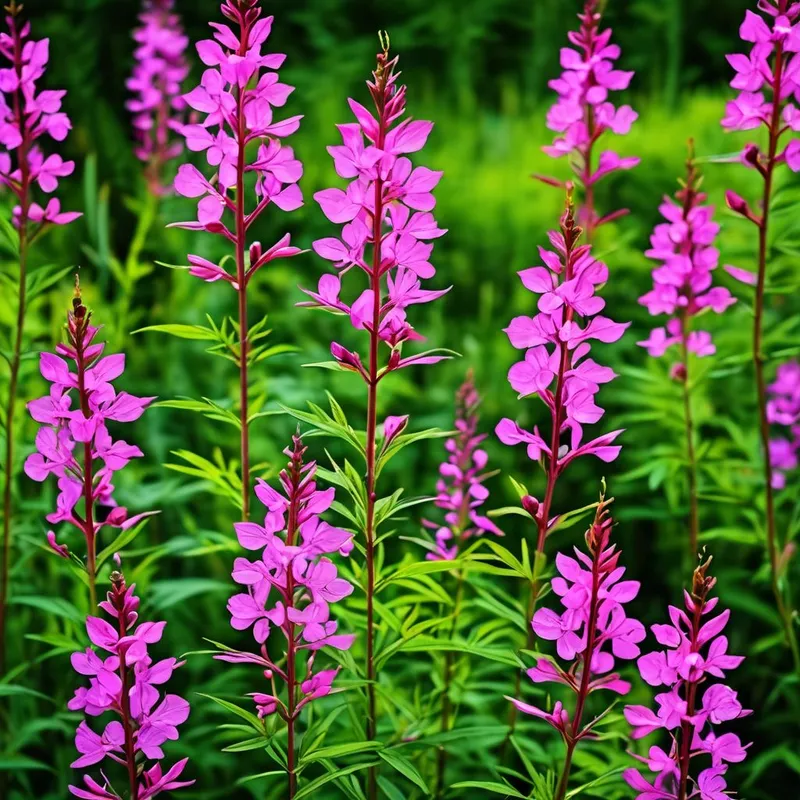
x=460 y=491
x=159 y=71
x=556 y=366
x=237 y=95
x=783 y=409
x=692 y=706
x=74 y=443
x=292 y=585
x=590 y=633
x=28 y=114
x=123 y=681
x=387 y=208
x=682 y=283
x=767 y=80
x=584 y=113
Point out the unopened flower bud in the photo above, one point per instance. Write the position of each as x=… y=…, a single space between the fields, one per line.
x=531 y=505
x=737 y=203
x=678 y=372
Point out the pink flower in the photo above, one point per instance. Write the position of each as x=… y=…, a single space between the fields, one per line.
x=583 y=111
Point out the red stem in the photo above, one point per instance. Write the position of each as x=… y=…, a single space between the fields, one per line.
x=24 y=201
x=125 y=704
x=371 y=434
x=241 y=271
x=691 y=692
x=291 y=654
x=88 y=477
x=583 y=692
x=784 y=610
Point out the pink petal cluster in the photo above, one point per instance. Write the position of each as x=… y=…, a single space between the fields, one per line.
x=767 y=78
x=460 y=491
x=124 y=680
x=241 y=138
x=556 y=340
x=292 y=585
x=26 y=115
x=74 y=443
x=159 y=71
x=583 y=112
x=591 y=632
x=387 y=222
x=783 y=409
x=682 y=283
x=692 y=705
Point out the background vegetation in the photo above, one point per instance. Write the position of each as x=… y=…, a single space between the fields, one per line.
x=479 y=69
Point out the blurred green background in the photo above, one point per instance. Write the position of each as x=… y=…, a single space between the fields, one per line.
x=479 y=69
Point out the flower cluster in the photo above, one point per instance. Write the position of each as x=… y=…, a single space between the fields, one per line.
x=160 y=69
x=125 y=682
x=387 y=207
x=26 y=115
x=305 y=583
x=696 y=653
x=682 y=283
x=592 y=631
x=770 y=65
x=460 y=491
x=237 y=95
x=74 y=443
x=783 y=408
x=556 y=367
x=583 y=112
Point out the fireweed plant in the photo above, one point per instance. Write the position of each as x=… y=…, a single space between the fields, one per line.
x=783 y=409
x=692 y=705
x=767 y=80
x=583 y=113
x=291 y=587
x=683 y=289
x=460 y=492
x=28 y=116
x=557 y=371
x=123 y=681
x=241 y=140
x=158 y=106
x=387 y=224
x=592 y=631
x=74 y=444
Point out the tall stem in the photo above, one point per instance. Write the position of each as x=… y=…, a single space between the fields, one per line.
x=557 y=413
x=447 y=680
x=694 y=519
x=583 y=691
x=784 y=609
x=88 y=476
x=13 y=385
x=241 y=279
x=687 y=728
x=125 y=703
x=291 y=654
x=372 y=425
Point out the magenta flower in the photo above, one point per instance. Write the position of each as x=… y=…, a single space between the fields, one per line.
x=783 y=409
x=590 y=633
x=157 y=105
x=682 y=283
x=583 y=112
x=460 y=491
x=696 y=652
x=28 y=115
x=768 y=85
x=241 y=138
x=556 y=367
x=387 y=227
x=123 y=680
x=290 y=587
x=74 y=443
